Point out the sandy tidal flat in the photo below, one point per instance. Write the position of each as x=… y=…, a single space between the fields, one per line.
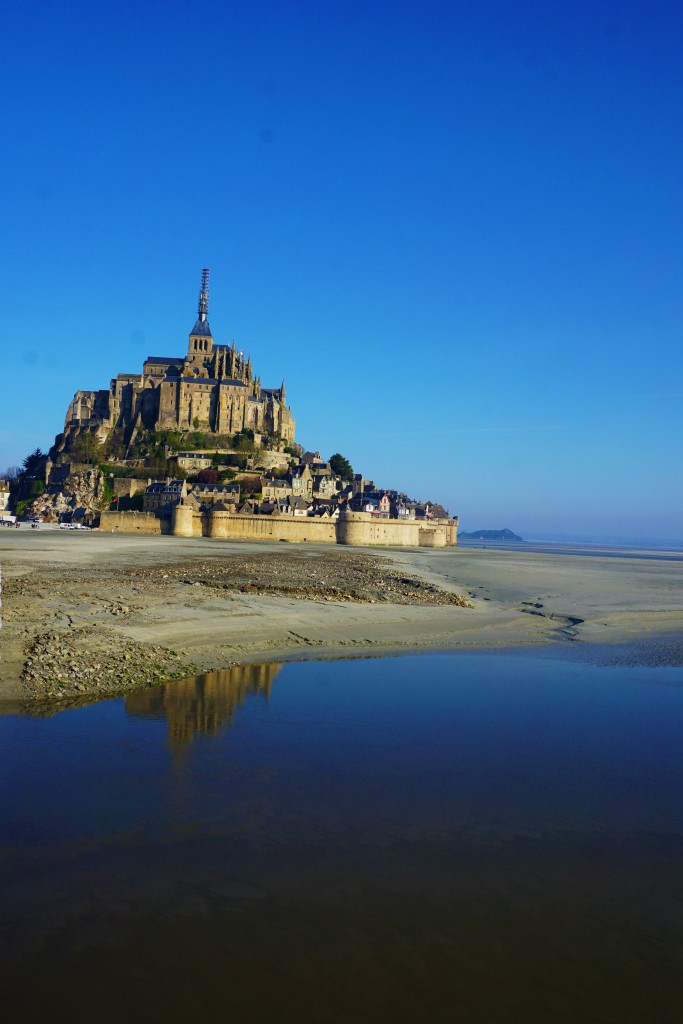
x=95 y=612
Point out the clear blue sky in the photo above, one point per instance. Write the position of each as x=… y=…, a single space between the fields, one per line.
x=455 y=229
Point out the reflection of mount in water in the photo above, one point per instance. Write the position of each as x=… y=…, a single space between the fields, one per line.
x=205 y=704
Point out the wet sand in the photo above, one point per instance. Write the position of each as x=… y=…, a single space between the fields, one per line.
x=115 y=591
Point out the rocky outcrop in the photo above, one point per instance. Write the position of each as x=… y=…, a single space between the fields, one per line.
x=75 y=489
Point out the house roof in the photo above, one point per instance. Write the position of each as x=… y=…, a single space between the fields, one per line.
x=216 y=488
x=162 y=487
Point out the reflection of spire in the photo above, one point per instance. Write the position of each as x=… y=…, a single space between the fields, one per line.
x=204 y=704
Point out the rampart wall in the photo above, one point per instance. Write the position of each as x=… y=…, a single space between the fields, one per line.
x=133 y=522
x=360 y=529
x=298 y=529
x=357 y=529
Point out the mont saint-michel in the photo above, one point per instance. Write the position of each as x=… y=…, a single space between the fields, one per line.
x=195 y=445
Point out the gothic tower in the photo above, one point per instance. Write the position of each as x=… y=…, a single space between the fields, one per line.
x=200 y=345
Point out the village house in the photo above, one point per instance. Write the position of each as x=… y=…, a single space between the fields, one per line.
x=211 y=494
x=315 y=461
x=193 y=461
x=298 y=506
x=270 y=508
x=365 y=503
x=326 y=506
x=325 y=485
x=402 y=507
x=273 y=489
x=423 y=511
x=161 y=495
x=4 y=495
x=378 y=505
x=301 y=482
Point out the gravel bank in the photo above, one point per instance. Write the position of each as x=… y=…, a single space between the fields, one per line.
x=176 y=606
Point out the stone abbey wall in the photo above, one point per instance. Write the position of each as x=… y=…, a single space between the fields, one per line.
x=127 y=486
x=357 y=529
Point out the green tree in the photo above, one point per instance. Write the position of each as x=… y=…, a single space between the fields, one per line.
x=87 y=448
x=172 y=439
x=243 y=440
x=341 y=466
x=33 y=463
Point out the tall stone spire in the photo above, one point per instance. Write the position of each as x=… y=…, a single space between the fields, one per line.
x=203 y=309
x=201 y=340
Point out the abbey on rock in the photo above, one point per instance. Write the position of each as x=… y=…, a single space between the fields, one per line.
x=212 y=388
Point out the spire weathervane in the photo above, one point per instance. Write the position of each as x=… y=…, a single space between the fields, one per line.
x=204 y=295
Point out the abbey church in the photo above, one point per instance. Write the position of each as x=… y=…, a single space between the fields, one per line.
x=212 y=389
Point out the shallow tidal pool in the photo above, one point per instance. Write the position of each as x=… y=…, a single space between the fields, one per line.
x=453 y=837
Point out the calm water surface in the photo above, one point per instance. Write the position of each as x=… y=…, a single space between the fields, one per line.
x=451 y=837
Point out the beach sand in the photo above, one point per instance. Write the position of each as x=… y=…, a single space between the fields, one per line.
x=109 y=599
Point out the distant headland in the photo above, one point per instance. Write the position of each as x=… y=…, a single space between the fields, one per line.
x=491 y=535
